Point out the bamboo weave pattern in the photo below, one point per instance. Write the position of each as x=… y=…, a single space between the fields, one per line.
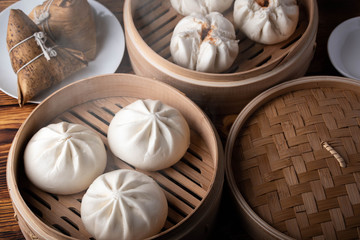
x=288 y=178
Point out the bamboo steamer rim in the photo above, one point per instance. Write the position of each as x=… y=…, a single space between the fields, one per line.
x=246 y=113
x=206 y=79
x=42 y=229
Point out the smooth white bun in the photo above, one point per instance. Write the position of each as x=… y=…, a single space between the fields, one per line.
x=272 y=23
x=187 y=7
x=149 y=135
x=64 y=158
x=124 y=204
x=205 y=43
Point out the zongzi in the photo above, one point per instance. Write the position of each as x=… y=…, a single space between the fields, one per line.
x=70 y=23
x=38 y=62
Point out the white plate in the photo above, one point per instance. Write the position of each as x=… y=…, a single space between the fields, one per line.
x=110 y=48
x=344 y=48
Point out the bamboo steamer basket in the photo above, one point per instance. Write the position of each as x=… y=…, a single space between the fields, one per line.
x=285 y=181
x=193 y=186
x=148 y=29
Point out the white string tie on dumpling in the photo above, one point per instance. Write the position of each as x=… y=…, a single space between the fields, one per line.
x=38 y=19
x=44 y=14
x=40 y=40
x=42 y=18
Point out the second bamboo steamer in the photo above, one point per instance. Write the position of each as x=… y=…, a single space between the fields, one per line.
x=148 y=30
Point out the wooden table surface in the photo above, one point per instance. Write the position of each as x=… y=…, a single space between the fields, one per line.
x=331 y=13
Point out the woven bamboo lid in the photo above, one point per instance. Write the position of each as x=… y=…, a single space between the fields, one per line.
x=283 y=160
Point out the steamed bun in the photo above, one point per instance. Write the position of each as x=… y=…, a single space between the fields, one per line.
x=64 y=158
x=149 y=135
x=124 y=204
x=187 y=7
x=205 y=43
x=266 y=21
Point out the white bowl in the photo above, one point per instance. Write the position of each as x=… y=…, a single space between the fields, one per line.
x=344 y=48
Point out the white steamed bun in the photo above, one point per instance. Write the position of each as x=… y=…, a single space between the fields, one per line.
x=124 y=204
x=187 y=7
x=266 y=21
x=205 y=43
x=149 y=135
x=64 y=158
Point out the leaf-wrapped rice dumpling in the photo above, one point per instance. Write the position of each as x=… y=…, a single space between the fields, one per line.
x=37 y=61
x=70 y=23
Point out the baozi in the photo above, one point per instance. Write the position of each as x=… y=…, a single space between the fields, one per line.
x=64 y=158
x=187 y=7
x=205 y=43
x=124 y=204
x=149 y=135
x=266 y=21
